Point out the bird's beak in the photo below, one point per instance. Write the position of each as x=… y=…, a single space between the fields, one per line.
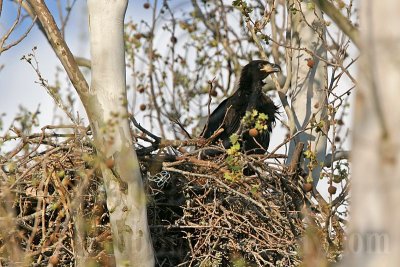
x=270 y=68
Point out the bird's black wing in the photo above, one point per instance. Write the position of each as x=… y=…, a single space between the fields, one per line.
x=215 y=120
x=232 y=118
x=225 y=116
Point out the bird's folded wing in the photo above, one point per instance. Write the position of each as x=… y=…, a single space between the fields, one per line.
x=215 y=120
x=232 y=121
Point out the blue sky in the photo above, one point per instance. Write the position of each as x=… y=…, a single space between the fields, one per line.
x=17 y=78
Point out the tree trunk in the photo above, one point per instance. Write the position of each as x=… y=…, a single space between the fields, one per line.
x=374 y=239
x=309 y=83
x=106 y=106
x=107 y=111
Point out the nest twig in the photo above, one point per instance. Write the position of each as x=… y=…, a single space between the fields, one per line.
x=53 y=205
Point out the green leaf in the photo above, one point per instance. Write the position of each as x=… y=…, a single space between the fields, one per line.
x=228 y=176
x=236 y=147
x=234 y=138
x=230 y=151
x=247 y=117
x=254 y=189
x=263 y=116
x=235 y=168
x=307 y=154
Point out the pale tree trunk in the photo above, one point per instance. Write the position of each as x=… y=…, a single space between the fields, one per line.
x=308 y=90
x=107 y=110
x=375 y=214
x=105 y=104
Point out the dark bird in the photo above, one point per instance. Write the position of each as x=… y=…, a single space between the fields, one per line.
x=244 y=101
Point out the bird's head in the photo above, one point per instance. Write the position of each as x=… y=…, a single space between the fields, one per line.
x=256 y=71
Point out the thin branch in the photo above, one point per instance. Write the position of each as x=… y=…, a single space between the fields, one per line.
x=156 y=138
x=338 y=155
x=341 y=21
x=294 y=164
x=60 y=47
x=12 y=28
x=83 y=62
x=208 y=106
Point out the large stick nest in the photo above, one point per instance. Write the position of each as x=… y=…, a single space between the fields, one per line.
x=201 y=211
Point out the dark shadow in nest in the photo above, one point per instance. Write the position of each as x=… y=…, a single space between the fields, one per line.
x=199 y=220
x=166 y=200
x=199 y=217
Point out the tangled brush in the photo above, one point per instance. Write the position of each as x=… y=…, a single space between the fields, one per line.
x=202 y=212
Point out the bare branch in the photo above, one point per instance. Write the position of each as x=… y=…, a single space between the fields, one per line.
x=12 y=28
x=338 y=155
x=341 y=21
x=83 y=62
x=60 y=47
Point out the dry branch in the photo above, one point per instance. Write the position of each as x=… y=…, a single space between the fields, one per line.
x=196 y=215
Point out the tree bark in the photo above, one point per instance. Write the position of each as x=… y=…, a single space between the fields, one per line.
x=308 y=90
x=108 y=114
x=105 y=104
x=375 y=216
